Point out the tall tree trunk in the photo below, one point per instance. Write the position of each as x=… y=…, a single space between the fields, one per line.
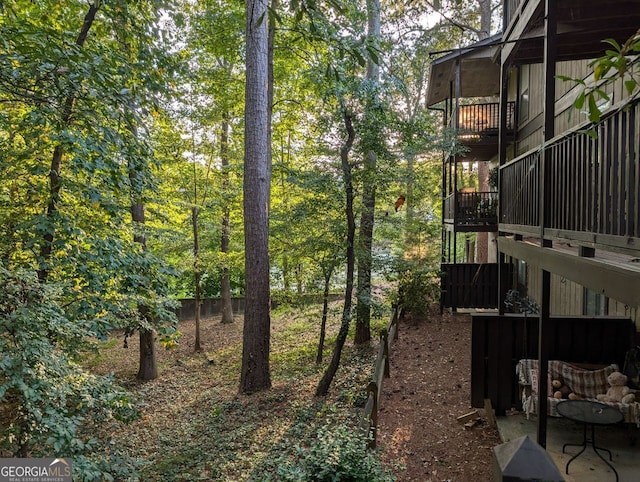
x=196 y=275
x=286 y=273
x=328 y=272
x=56 y=160
x=298 y=272
x=482 y=245
x=148 y=368
x=329 y=374
x=255 y=373
x=225 y=283
x=286 y=269
x=365 y=242
x=484 y=7
x=411 y=239
x=365 y=246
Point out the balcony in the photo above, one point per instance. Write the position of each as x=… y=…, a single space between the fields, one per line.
x=482 y=119
x=591 y=186
x=471 y=211
x=478 y=128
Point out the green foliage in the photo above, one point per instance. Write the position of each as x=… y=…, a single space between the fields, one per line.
x=108 y=463
x=356 y=375
x=77 y=102
x=196 y=427
x=419 y=287
x=493 y=176
x=50 y=405
x=618 y=62
x=515 y=302
x=117 y=83
x=339 y=453
x=295 y=354
x=91 y=103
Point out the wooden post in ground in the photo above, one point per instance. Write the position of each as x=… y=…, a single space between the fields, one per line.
x=373 y=418
x=384 y=338
x=491 y=418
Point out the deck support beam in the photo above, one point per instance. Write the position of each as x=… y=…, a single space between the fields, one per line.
x=550 y=48
x=613 y=280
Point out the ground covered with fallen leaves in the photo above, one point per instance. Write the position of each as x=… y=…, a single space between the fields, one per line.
x=195 y=426
x=428 y=390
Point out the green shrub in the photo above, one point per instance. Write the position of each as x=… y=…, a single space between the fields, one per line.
x=51 y=406
x=339 y=453
x=517 y=303
x=418 y=288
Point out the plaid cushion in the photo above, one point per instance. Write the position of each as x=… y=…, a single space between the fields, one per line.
x=587 y=383
x=555 y=369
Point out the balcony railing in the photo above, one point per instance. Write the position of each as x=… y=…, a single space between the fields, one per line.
x=476 y=120
x=471 y=208
x=591 y=185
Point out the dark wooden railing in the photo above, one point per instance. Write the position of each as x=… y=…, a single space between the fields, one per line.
x=213 y=306
x=469 y=285
x=498 y=342
x=591 y=185
x=520 y=186
x=481 y=119
x=471 y=207
x=369 y=421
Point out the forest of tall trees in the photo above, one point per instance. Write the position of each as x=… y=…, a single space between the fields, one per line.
x=153 y=150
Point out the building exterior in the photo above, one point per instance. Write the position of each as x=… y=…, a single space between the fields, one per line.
x=465 y=86
x=570 y=203
x=568 y=217
x=594 y=215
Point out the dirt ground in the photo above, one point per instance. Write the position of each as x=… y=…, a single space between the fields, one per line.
x=429 y=389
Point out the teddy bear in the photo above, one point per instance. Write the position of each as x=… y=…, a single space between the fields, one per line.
x=618 y=390
x=562 y=391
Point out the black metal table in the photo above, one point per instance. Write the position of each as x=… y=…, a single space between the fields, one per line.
x=589 y=413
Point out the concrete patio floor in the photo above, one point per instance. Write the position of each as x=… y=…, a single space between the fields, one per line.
x=587 y=467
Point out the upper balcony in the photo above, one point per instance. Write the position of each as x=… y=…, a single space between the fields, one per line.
x=471 y=211
x=590 y=193
x=582 y=25
x=478 y=128
x=461 y=75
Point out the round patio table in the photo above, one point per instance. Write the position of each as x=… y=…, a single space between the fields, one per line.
x=589 y=413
